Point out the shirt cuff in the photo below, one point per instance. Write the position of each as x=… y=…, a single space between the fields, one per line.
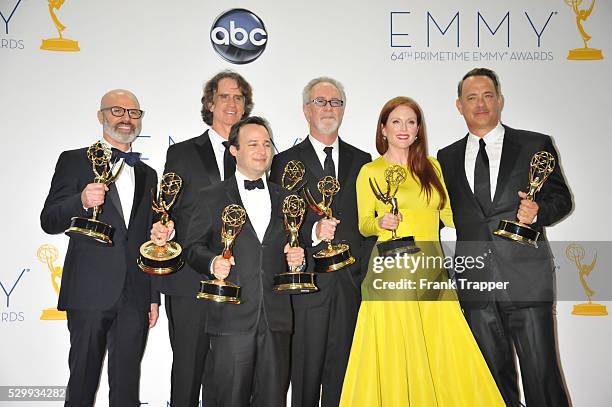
x=315 y=240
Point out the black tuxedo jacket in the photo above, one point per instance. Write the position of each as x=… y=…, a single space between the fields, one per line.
x=94 y=274
x=194 y=161
x=256 y=262
x=529 y=271
x=344 y=207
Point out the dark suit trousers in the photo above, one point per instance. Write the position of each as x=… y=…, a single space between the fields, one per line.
x=123 y=331
x=320 y=350
x=498 y=327
x=249 y=369
x=189 y=341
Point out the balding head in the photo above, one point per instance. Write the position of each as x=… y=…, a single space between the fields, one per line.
x=110 y=98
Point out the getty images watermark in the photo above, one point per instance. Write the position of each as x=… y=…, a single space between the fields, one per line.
x=428 y=272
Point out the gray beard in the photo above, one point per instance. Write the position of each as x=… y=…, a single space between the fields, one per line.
x=118 y=137
x=327 y=130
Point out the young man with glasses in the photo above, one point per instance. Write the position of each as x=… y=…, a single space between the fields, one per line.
x=325 y=320
x=108 y=300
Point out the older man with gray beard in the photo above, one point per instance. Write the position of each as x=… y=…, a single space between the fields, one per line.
x=324 y=321
x=109 y=302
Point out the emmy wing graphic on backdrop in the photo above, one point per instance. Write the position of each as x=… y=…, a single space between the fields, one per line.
x=582 y=15
x=576 y=253
x=60 y=43
x=48 y=254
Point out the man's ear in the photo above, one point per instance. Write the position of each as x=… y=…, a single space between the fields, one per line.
x=458 y=104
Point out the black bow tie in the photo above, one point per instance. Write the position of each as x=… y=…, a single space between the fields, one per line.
x=130 y=158
x=249 y=185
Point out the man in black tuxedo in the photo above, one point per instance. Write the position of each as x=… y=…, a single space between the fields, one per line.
x=201 y=162
x=486 y=173
x=108 y=300
x=325 y=320
x=248 y=362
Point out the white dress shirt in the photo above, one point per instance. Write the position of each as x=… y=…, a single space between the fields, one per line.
x=257 y=203
x=219 y=150
x=494 y=141
x=125 y=186
x=319 y=149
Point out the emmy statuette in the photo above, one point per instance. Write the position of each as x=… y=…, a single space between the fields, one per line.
x=395 y=175
x=233 y=218
x=541 y=166
x=166 y=259
x=294 y=281
x=100 y=157
x=335 y=256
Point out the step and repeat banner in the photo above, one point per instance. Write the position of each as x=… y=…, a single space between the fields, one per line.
x=59 y=57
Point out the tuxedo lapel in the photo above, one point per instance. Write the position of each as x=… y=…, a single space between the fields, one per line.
x=309 y=157
x=140 y=175
x=274 y=202
x=234 y=197
x=345 y=158
x=510 y=151
x=204 y=148
x=113 y=196
x=459 y=163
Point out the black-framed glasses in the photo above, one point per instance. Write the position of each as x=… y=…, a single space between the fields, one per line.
x=320 y=102
x=119 y=111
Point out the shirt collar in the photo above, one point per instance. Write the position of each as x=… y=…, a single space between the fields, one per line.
x=216 y=139
x=493 y=137
x=318 y=146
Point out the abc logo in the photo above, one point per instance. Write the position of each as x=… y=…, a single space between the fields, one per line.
x=239 y=36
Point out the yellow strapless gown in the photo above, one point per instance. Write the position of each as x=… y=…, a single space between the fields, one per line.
x=412 y=352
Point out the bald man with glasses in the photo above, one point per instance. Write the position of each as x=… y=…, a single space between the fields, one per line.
x=109 y=302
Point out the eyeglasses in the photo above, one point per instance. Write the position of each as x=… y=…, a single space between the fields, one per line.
x=320 y=102
x=119 y=111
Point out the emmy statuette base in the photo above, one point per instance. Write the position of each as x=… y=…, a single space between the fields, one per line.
x=294 y=283
x=585 y=54
x=160 y=260
x=53 y=314
x=328 y=261
x=590 y=309
x=399 y=245
x=219 y=291
x=60 y=44
x=95 y=229
x=517 y=232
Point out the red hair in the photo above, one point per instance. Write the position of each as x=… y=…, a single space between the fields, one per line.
x=418 y=163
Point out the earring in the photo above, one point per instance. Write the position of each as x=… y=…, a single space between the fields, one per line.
x=384 y=137
x=416 y=138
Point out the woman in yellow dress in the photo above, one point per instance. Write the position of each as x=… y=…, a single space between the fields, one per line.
x=412 y=346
